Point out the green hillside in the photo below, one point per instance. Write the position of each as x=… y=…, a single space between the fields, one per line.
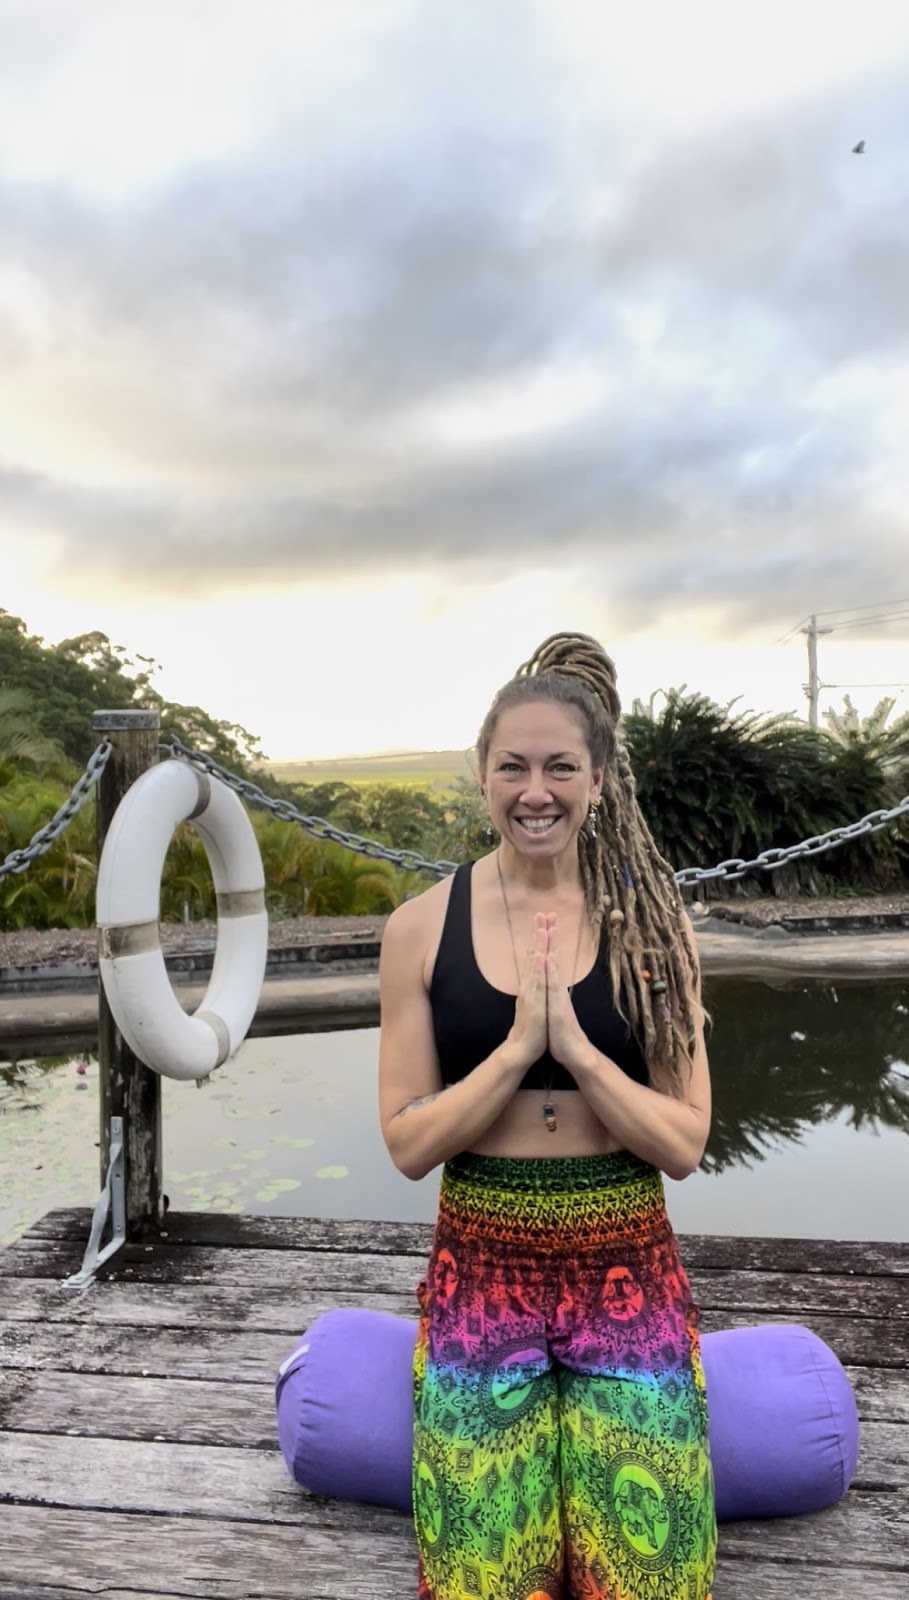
x=431 y=769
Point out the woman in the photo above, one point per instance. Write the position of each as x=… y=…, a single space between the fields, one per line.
x=542 y=1036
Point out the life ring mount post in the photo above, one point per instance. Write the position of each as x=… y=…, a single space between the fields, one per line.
x=128 y=1089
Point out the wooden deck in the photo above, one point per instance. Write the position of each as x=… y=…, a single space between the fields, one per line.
x=138 y=1456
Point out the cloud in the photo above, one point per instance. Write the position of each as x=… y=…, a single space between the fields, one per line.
x=461 y=322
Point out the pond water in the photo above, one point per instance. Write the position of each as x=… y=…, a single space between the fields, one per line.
x=810 y=1136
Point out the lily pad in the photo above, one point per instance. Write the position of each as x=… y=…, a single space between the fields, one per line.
x=278 y=1186
x=294 y=1144
x=333 y=1172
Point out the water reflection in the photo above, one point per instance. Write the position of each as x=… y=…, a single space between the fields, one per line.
x=784 y=1060
x=811 y=1089
x=21 y=1081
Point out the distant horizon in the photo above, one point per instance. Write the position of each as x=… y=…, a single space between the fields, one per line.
x=386 y=757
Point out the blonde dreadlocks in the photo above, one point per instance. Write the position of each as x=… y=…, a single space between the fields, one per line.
x=632 y=898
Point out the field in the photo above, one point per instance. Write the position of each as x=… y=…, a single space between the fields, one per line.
x=426 y=769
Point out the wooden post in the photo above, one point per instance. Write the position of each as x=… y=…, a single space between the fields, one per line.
x=128 y=1088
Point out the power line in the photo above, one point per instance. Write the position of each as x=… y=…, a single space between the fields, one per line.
x=850 y=610
x=866 y=622
x=881 y=606
x=838 y=627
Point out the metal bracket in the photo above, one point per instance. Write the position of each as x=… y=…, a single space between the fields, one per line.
x=112 y=1198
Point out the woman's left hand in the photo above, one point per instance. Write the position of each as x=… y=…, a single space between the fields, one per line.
x=567 y=1040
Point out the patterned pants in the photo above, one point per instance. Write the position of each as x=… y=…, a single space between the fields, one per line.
x=560 y=1423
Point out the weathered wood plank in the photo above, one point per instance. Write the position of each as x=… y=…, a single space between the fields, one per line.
x=198 y=1264
x=736 y=1580
x=106 y=1405
x=767 y=1580
x=156 y=1305
x=758 y=1297
x=242 y=1415
x=251 y=1357
x=160 y=1477
x=876 y=1524
x=256 y=1232
x=189 y=1353
x=883 y=1456
x=93 y=1553
x=269 y=1297
x=253 y=1486
x=836 y=1257
x=881 y=1394
x=117 y=1406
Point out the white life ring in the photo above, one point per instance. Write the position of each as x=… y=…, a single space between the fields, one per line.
x=128 y=900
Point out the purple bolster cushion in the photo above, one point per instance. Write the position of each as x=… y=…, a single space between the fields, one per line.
x=783 y=1420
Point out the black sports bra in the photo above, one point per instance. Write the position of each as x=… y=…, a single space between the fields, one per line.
x=470 y=1018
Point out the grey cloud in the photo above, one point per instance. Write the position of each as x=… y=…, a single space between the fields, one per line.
x=291 y=323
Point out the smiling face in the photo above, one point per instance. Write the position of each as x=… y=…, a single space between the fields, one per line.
x=538 y=777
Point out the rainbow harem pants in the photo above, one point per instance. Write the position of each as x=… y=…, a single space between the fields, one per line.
x=560 y=1422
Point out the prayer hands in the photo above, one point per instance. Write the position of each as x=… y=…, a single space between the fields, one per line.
x=544 y=1015
x=565 y=1036
x=529 y=1031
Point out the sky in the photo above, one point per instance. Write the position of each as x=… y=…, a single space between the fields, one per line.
x=348 y=351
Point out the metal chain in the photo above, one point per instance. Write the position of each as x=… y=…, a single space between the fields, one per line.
x=769 y=860
x=410 y=860
x=20 y=860
x=777 y=856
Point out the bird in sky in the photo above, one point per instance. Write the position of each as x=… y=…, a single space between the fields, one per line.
x=859 y=149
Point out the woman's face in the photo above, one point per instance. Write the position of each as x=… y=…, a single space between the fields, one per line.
x=538 y=778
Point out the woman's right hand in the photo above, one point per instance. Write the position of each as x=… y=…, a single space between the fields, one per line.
x=529 y=1032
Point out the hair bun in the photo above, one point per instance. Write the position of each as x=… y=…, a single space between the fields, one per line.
x=577 y=655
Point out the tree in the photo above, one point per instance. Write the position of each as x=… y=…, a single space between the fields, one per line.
x=715 y=784
x=69 y=681
x=887 y=745
x=20 y=742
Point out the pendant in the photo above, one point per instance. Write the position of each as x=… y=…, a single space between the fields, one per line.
x=550 y=1116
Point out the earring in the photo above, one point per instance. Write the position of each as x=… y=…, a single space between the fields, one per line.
x=490 y=834
x=592 y=821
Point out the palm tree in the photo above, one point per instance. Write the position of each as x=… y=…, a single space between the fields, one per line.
x=350 y=885
x=714 y=783
x=57 y=890
x=19 y=741
x=888 y=745
x=871 y=756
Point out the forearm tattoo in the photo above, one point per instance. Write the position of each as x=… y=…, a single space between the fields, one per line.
x=424 y=1100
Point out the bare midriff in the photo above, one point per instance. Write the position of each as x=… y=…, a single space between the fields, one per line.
x=521 y=1131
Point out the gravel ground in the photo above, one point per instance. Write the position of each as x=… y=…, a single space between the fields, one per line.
x=54 y=946
x=761 y=913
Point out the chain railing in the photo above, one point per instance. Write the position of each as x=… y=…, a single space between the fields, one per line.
x=779 y=856
x=409 y=860
x=20 y=860
x=769 y=860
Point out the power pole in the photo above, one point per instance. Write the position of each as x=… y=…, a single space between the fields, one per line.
x=812 y=686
